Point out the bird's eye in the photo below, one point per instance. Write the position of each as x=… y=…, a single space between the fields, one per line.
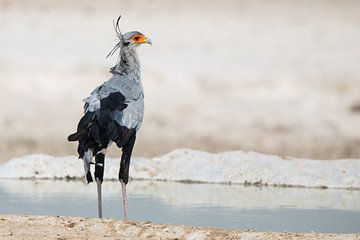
x=137 y=38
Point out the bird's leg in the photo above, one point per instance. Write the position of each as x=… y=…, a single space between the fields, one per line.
x=123 y=189
x=99 y=175
x=124 y=170
x=98 y=185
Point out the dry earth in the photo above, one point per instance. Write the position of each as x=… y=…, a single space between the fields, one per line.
x=66 y=228
x=279 y=77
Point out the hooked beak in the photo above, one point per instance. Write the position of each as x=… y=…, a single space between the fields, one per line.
x=148 y=41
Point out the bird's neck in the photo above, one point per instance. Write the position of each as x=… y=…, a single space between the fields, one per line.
x=128 y=64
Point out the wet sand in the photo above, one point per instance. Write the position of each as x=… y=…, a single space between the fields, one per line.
x=66 y=228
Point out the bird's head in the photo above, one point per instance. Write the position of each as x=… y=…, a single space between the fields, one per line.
x=129 y=39
x=134 y=38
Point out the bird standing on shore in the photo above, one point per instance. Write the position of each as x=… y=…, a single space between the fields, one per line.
x=113 y=113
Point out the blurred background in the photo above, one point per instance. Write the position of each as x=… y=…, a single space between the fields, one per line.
x=278 y=77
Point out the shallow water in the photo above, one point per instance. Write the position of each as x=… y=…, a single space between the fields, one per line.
x=213 y=205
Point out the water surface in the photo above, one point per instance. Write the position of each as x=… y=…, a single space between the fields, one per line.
x=212 y=205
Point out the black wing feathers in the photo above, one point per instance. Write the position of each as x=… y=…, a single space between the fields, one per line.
x=114 y=101
x=84 y=122
x=96 y=129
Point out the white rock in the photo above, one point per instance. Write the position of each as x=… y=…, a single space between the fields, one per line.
x=190 y=165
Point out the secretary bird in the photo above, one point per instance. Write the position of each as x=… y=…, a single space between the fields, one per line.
x=113 y=113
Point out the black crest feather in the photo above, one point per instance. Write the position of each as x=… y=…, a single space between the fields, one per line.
x=119 y=35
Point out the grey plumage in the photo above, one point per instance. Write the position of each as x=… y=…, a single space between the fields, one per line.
x=113 y=112
x=131 y=88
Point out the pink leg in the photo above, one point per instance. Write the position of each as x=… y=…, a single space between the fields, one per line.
x=123 y=188
x=98 y=184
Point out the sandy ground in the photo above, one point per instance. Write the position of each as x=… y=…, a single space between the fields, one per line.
x=61 y=228
x=279 y=77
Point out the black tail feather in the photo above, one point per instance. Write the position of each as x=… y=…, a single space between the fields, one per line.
x=73 y=137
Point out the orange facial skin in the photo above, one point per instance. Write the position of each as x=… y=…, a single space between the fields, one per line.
x=139 y=39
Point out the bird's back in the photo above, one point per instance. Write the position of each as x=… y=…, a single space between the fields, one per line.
x=130 y=88
x=116 y=92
